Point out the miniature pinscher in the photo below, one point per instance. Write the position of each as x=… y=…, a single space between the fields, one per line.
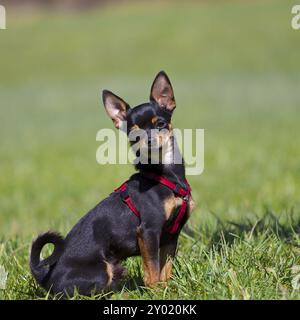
x=143 y=217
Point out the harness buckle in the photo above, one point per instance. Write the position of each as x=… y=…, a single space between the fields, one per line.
x=186 y=197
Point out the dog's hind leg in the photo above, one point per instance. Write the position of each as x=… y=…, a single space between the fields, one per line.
x=115 y=272
x=89 y=278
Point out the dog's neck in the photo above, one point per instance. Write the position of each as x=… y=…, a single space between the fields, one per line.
x=172 y=164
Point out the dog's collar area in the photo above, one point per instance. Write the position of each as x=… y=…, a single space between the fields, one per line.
x=175 y=187
x=178 y=190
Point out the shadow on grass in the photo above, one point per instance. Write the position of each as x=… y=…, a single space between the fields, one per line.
x=269 y=224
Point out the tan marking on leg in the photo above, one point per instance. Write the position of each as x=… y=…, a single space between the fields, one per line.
x=109 y=271
x=166 y=270
x=151 y=274
x=166 y=264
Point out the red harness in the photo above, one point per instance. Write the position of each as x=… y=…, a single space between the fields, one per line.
x=183 y=193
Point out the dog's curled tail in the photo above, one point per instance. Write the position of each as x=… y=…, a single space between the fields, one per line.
x=40 y=268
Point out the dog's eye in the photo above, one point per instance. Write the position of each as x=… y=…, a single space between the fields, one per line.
x=161 y=124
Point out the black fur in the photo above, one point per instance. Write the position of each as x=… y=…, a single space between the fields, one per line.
x=107 y=234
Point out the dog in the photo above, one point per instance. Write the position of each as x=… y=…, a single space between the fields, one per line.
x=142 y=217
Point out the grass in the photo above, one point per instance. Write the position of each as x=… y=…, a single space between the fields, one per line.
x=235 y=70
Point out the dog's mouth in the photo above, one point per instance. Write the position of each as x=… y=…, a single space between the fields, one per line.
x=154 y=144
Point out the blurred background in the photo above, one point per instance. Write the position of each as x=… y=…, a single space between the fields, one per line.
x=235 y=69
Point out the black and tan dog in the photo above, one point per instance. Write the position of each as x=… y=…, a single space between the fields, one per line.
x=143 y=217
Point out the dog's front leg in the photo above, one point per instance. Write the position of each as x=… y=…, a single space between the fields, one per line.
x=167 y=254
x=148 y=242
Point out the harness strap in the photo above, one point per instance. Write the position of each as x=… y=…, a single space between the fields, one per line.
x=126 y=198
x=176 y=188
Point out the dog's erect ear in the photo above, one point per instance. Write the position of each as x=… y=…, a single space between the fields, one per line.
x=115 y=107
x=162 y=92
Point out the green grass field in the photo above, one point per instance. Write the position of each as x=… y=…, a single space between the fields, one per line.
x=235 y=69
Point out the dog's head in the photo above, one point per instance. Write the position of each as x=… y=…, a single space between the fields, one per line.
x=147 y=125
